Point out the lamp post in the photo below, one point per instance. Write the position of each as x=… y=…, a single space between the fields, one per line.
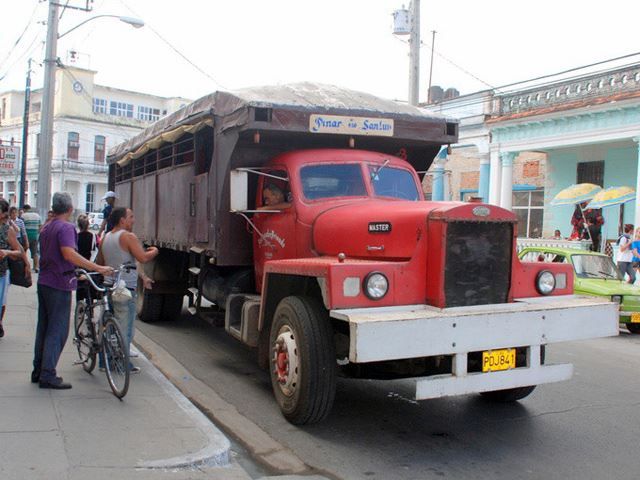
x=48 y=96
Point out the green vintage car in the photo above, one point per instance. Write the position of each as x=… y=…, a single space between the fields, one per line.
x=595 y=274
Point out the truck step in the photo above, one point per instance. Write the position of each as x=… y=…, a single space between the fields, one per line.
x=192 y=310
x=194 y=270
x=193 y=290
x=197 y=250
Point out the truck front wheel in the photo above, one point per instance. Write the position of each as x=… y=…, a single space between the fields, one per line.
x=513 y=394
x=302 y=360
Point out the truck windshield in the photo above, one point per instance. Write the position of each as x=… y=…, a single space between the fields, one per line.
x=326 y=181
x=393 y=182
x=595 y=266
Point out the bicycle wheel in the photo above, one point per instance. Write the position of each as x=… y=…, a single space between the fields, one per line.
x=84 y=336
x=116 y=356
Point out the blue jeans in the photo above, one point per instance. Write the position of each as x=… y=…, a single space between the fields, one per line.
x=54 y=312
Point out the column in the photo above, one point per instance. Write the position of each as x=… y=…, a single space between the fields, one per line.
x=506 y=185
x=495 y=174
x=636 y=217
x=437 y=191
x=483 y=181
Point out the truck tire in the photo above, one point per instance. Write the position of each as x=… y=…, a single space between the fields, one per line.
x=633 y=327
x=303 y=361
x=172 y=306
x=149 y=306
x=513 y=394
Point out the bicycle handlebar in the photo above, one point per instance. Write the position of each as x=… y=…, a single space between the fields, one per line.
x=118 y=272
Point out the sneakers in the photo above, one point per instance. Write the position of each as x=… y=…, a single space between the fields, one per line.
x=35 y=376
x=134 y=370
x=1 y=331
x=57 y=384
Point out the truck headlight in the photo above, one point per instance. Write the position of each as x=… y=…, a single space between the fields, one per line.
x=616 y=298
x=376 y=285
x=545 y=282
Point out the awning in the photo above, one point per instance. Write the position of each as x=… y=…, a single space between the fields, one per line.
x=166 y=137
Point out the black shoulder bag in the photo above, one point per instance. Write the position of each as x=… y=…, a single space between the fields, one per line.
x=16 y=273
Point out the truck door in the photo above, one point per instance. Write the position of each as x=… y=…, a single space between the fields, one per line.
x=275 y=235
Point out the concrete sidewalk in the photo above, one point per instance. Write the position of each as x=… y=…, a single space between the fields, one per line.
x=86 y=432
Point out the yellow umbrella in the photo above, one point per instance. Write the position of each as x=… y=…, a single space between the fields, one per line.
x=578 y=193
x=612 y=196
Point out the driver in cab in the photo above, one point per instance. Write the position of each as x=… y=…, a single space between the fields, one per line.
x=273 y=198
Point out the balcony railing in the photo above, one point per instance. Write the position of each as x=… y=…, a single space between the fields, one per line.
x=613 y=82
x=77 y=166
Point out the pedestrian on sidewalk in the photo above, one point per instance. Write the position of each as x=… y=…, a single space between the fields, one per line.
x=32 y=223
x=86 y=247
x=18 y=224
x=107 y=222
x=58 y=243
x=625 y=255
x=635 y=249
x=121 y=246
x=9 y=248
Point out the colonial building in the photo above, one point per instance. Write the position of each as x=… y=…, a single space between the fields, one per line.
x=88 y=120
x=519 y=149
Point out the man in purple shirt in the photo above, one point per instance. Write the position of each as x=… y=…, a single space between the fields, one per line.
x=58 y=259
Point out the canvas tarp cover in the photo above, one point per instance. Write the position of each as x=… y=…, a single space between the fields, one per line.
x=231 y=110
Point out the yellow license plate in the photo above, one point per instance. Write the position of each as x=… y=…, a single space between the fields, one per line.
x=635 y=318
x=496 y=360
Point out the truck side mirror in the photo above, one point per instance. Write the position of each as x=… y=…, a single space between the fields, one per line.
x=239 y=188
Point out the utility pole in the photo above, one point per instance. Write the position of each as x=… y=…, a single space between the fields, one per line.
x=46 y=126
x=433 y=42
x=25 y=136
x=414 y=52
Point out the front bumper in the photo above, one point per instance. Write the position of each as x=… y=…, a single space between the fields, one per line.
x=394 y=333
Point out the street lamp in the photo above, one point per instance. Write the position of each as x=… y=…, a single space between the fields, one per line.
x=46 y=126
x=134 y=22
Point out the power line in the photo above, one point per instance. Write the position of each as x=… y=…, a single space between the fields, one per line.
x=457 y=66
x=175 y=49
x=15 y=44
x=476 y=101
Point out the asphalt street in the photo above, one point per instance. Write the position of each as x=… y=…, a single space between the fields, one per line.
x=586 y=428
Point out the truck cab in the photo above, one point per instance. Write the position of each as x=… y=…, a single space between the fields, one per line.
x=315 y=181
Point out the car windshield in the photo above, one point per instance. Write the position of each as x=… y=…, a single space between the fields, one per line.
x=595 y=266
x=393 y=182
x=333 y=180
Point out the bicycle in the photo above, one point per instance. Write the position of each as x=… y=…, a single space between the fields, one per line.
x=103 y=337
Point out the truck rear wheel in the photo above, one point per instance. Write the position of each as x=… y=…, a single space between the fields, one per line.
x=148 y=305
x=172 y=306
x=303 y=362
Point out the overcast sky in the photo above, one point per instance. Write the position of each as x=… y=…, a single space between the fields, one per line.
x=240 y=43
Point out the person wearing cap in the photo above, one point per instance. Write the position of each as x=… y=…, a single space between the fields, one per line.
x=107 y=224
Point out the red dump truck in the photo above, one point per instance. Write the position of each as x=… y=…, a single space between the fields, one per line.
x=298 y=212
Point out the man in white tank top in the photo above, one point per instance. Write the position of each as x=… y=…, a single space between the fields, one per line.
x=120 y=246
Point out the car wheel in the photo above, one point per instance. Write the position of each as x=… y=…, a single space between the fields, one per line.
x=633 y=327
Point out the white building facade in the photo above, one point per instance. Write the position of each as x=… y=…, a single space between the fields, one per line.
x=89 y=119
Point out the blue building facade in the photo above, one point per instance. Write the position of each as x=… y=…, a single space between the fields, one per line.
x=587 y=129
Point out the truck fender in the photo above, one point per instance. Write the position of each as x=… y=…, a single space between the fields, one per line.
x=275 y=287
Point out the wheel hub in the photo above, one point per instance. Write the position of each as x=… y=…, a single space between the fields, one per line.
x=285 y=361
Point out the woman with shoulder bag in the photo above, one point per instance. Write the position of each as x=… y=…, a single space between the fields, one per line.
x=9 y=248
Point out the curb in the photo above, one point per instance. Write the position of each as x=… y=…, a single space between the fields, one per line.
x=267 y=450
x=215 y=454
